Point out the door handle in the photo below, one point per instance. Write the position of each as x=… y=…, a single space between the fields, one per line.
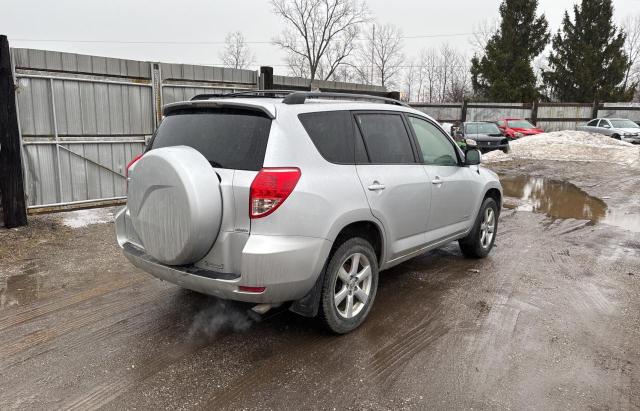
x=376 y=186
x=437 y=181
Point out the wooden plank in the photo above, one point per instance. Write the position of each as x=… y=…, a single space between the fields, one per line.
x=14 y=209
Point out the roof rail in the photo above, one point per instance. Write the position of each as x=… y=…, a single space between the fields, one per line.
x=299 y=97
x=246 y=93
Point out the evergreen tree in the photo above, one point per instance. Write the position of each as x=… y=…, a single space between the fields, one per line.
x=588 y=62
x=504 y=73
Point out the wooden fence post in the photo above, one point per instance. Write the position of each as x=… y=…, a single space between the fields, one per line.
x=595 y=109
x=14 y=209
x=534 y=112
x=394 y=95
x=463 y=114
x=266 y=78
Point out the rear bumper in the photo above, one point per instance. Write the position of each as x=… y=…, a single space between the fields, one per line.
x=287 y=266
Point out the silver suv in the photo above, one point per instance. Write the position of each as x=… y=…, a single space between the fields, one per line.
x=301 y=198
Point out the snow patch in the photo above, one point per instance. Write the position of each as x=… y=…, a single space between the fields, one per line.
x=569 y=146
x=83 y=218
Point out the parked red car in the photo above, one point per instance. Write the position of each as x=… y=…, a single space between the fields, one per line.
x=517 y=127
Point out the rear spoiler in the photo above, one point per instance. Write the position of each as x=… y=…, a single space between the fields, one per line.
x=268 y=109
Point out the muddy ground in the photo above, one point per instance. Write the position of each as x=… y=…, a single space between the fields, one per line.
x=550 y=320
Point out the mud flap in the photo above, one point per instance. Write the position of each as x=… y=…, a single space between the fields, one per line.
x=308 y=305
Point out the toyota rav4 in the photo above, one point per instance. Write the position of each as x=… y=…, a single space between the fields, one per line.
x=301 y=198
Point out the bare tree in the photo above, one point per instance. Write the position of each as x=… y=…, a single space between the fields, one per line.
x=409 y=80
x=380 y=56
x=440 y=75
x=482 y=32
x=236 y=53
x=298 y=66
x=631 y=27
x=319 y=31
x=459 y=78
x=427 y=75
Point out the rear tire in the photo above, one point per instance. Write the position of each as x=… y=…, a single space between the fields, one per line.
x=351 y=276
x=615 y=137
x=479 y=242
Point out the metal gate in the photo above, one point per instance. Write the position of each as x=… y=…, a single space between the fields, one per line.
x=83 y=118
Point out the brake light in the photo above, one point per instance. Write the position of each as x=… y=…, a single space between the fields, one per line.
x=270 y=188
x=132 y=162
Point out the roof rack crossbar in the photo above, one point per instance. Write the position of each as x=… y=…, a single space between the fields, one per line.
x=299 y=97
x=246 y=93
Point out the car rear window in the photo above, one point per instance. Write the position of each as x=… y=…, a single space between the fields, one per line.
x=227 y=137
x=333 y=135
x=481 y=128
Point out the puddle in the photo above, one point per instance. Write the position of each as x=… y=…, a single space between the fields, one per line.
x=563 y=200
x=19 y=289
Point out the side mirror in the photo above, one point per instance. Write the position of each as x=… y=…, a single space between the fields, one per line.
x=472 y=157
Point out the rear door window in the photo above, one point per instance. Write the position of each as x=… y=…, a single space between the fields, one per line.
x=226 y=137
x=604 y=123
x=593 y=123
x=332 y=132
x=386 y=138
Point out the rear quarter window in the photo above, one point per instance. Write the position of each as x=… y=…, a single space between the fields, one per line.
x=332 y=132
x=226 y=137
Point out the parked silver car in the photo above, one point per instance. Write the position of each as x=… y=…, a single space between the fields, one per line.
x=301 y=199
x=618 y=128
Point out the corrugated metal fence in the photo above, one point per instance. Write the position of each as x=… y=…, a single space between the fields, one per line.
x=549 y=116
x=83 y=118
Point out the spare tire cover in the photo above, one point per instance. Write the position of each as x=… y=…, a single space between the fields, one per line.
x=175 y=204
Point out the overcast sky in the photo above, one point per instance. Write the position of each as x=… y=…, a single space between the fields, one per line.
x=210 y=20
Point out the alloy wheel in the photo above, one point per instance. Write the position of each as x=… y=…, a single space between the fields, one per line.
x=353 y=285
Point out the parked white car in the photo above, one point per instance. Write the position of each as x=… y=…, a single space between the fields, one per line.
x=618 y=128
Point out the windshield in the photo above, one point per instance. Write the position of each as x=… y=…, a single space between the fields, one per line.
x=623 y=124
x=482 y=128
x=520 y=124
x=228 y=138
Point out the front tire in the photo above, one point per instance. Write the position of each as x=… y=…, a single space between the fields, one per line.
x=616 y=137
x=350 y=285
x=480 y=240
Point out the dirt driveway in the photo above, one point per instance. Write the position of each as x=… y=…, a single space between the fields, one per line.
x=551 y=320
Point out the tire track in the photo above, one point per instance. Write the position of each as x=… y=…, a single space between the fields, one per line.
x=245 y=384
x=43 y=336
x=132 y=323
x=395 y=355
x=103 y=394
x=12 y=318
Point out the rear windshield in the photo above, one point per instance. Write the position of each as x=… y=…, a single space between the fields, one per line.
x=482 y=128
x=520 y=124
x=228 y=138
x=623 y=124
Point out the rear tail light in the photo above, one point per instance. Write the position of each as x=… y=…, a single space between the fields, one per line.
x=270 y=188
x=132 y=162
